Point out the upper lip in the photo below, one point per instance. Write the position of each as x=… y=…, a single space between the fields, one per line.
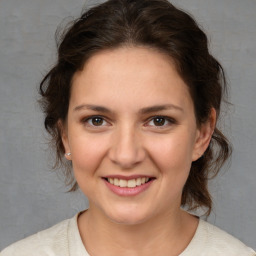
x=130 y=177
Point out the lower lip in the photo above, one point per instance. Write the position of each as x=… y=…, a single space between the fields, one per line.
x=128 y=191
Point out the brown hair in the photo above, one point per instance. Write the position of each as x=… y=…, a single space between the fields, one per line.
x=156 y=24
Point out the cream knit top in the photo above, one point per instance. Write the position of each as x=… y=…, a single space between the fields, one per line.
x=64 y=239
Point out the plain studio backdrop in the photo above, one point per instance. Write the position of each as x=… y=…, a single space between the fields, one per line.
x=32 y=197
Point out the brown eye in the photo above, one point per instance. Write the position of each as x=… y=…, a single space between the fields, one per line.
x=159 y=121
x=97 y=121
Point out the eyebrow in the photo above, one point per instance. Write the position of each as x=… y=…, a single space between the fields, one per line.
x=146 y=110
x=157 y=108
x=93 y=107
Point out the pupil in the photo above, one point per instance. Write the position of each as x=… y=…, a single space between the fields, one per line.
x=97 y=121
x=159 y=121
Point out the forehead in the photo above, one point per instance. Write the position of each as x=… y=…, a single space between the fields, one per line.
x=138 y=74
x=128 y=58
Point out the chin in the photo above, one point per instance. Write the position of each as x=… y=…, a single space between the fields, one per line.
x=130 y=216
x=128 y=220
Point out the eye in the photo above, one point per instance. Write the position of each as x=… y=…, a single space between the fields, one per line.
x=160 y=121
x=95 y=121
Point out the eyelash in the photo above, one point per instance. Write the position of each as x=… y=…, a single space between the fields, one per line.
x=167 y=121
x=89 y=119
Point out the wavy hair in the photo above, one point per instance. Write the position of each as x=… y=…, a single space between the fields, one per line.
x=151 y=23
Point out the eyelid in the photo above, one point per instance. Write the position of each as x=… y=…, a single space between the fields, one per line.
x=170 y=120
x=86 y=120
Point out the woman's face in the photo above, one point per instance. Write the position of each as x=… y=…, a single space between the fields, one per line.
x=132 y=134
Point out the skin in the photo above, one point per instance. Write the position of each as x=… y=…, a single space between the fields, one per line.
x=127 y=89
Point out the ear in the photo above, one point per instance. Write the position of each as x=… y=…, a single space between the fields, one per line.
x=204 y=135
x=64 y=137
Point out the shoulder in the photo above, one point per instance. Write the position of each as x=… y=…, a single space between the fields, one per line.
x=52 y=241
x=219 y=242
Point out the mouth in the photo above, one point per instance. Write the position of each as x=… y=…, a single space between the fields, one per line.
x=128 y=186
x=128 y=183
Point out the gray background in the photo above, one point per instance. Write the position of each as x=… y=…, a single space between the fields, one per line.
x=33 y=198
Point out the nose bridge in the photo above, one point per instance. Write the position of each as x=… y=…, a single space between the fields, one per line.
x=127 y=149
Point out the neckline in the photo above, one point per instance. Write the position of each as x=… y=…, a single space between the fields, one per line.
x=75 y=240
x=193 y=245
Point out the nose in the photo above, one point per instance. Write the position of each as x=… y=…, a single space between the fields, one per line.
x=126 y=149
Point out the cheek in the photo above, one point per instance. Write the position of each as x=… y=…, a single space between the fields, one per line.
x=87 y=153
x=173 y=153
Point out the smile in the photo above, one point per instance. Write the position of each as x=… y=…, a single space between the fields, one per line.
x=132 y=183
x=128 y=186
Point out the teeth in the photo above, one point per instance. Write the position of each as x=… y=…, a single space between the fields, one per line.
x=123 y=183
x=116 y=182
x=138 y=182
x=131 y=184
x=128 y=183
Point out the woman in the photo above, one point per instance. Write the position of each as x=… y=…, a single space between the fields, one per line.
x=133 y=103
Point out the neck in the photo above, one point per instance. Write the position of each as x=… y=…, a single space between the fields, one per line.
x=161 y=235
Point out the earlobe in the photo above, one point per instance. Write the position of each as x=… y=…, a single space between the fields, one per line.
x=204 y=135
x=64 y=137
